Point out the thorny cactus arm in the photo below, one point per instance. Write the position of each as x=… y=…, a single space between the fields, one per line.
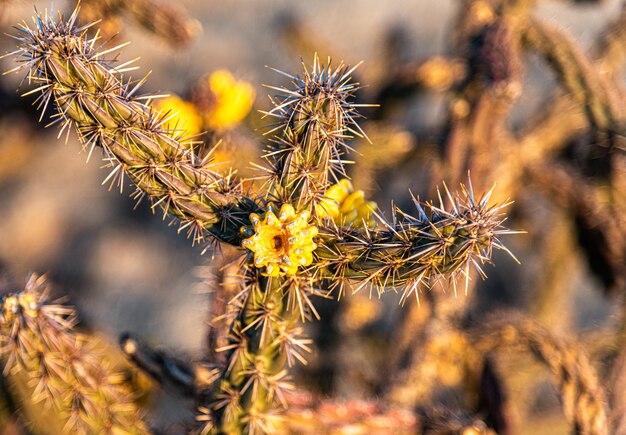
x=312 y=121
x=263 y=338
x=409 y=251
x=90 y=94
x=38 y=343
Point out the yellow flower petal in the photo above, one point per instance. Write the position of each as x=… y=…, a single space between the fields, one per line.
x=233 y=100
x=345 y=206
x=182 y=115
x=281 y=244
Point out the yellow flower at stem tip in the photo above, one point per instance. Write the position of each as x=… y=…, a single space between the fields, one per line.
x=281 y=243
x=182 y=115
x=346 y=206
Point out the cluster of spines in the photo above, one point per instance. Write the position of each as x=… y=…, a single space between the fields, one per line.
x=313 y=120
x=263 y=338
x=90 y=93
x=60 y=365
x=410 y=251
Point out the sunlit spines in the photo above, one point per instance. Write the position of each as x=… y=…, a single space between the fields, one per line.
x=92 y=95
x=411 y=250
x=61 y=367
x=262 y=340
x=314 y=118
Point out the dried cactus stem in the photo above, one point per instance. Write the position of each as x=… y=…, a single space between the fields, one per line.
x=583 y=396
x=592 y=91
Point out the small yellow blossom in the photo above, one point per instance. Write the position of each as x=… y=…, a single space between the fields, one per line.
x=182 y=115
x=25 y=302
x=281 y=244
x=345 y=206
x=231 y=100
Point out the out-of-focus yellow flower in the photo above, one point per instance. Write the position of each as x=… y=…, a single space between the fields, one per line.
x=230 y=102
x=345 y=206
x=281 y=244
x=482 y=12
x=25 y=302
x=182 y=115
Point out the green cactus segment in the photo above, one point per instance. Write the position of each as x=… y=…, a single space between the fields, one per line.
x=91 y=94
x=263 y=339
x=62 y=368
x=410 y=251
x=313 y=120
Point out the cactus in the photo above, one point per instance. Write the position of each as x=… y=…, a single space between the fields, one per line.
x=305 y=224
x=61 y=367
x=165 y=20
x=295 y=249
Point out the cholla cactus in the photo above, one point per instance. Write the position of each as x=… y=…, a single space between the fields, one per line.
x=166 y=20
x=291 y=256
x=61 y=367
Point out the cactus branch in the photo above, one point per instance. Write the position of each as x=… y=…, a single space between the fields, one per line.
x=590 y=89
x=90 y=93
x=409 y=251
x=37 y=339
x=583 y=397
x=312 y=122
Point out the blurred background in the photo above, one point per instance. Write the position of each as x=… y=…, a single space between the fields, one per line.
x=462 y=85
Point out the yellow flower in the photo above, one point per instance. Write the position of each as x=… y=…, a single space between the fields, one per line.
x=281 y=244
x=25 y=302
x=182 y=115
x=345 y=206
x=231 y=102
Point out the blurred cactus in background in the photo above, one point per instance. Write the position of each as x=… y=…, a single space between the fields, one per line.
x=168 y=21
x=46 y=361
x=330 y=310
